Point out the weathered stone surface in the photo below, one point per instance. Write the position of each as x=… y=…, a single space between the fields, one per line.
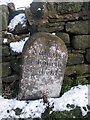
x=0 y=70
x=78 y=51
x=81 y=80
x=64 y=37
x=66 y=17
x=81 y=42
x=37 y=13
x=5 y=50
x=0 y=38
x=6 y=70
x=51 y=27
x=6 y=58
x=9 y=79
x=78 y=27
x=77 y=69
x=68 y=7
x=0 y=50
x=11 y=7
x=88 y=55
x=0 y=85
x=36 y=17
x=4 y=14
x=85 y=12
x=0 y=59
x=17 y=65
x=75 y=59
x=44 y=61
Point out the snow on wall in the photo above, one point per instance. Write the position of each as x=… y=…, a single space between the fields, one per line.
x=16 y=20
x=18 y=46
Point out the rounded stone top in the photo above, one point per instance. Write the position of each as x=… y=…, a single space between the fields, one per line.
x=46 y=39
x=44 y=61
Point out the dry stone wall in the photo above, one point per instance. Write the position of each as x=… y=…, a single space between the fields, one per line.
x=69 y=21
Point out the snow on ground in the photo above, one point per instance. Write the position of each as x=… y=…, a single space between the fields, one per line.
x=78 y=96
x=18 y=46
x=21 y=18
x=18 y=3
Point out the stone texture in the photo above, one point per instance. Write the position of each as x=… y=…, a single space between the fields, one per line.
x=44 y=61
x=81 y=80
x=78 y=27
x=68 y=7
x=85 y=12
x=36 y=17
x=77 y=69
x=11 y=7
x=75 y=59
x=9 y=79
x=17 y=65
x=64 y=37
x=0 y=59
x=6 y=58
x=51 y=27
x=0 y=86
x=78 y=51
x=65 y=17
x=4 y=14
x=6 y=70
x=5 y=50
x=0 y=38
x=37 y=14
x=81 y=42
x=88 y=55
x=0 y=50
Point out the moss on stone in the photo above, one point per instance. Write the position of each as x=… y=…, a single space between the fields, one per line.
x=66 y=85
x=18 y=111
x=81 y=80
x=77 y=69
x=74 y=113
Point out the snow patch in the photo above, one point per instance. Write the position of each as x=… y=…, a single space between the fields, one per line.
x=18 y=19
x=18 y=46
x=53 y=33
x=78 y=96
x=39 y=9
x=5 y=40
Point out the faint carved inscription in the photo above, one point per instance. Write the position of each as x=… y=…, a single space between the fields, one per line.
x=44 y=61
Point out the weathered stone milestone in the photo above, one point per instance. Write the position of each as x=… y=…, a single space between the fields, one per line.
x=44 y=62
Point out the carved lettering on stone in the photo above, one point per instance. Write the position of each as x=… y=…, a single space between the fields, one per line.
x=44 y=62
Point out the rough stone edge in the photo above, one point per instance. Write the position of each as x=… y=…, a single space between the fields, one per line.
x=1 y=54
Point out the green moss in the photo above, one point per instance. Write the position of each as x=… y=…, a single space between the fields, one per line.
x=18 y=111
x=74 y=113
x=66 y=85
x=81 y=80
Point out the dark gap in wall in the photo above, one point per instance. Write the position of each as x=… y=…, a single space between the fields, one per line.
x=73 y=78
x=71 y=35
